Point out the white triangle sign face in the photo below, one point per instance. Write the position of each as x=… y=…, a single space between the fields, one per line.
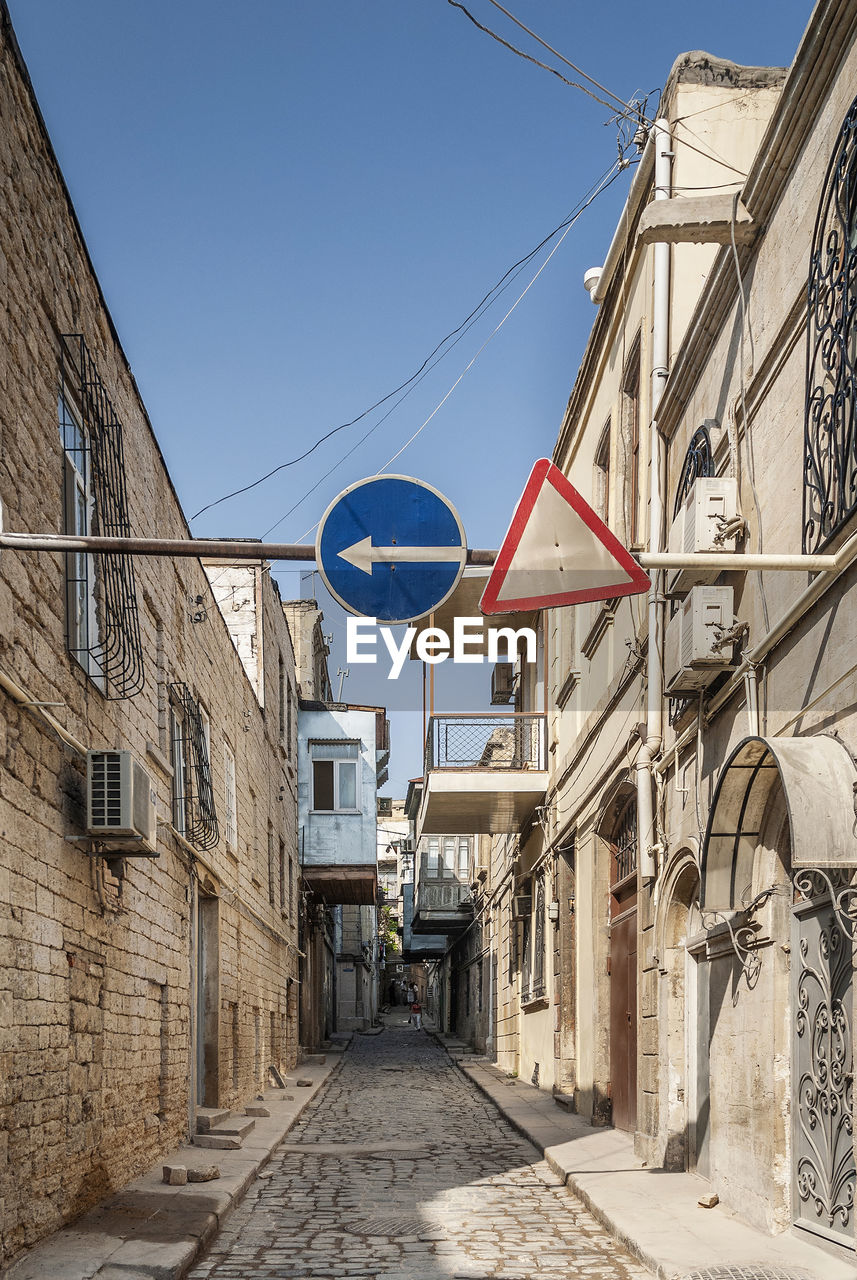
x=558 y=551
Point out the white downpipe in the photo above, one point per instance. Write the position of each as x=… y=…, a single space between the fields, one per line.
x=752 y=696
x=646 y=830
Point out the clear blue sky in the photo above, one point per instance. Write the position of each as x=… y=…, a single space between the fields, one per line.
x=290 y=202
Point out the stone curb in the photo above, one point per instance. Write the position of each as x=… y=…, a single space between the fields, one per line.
x=152 y=1231
x=629 y=1213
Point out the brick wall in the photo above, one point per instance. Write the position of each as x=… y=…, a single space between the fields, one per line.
x=98 y=960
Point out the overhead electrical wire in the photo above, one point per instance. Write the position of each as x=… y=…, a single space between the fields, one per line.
x=458 y=332
x=606 y=180
x=572 y=84
x=578 y=70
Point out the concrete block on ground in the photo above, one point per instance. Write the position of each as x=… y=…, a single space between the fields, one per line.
x=175 y=1175
x=257 y=1110
x=207 y=1173
x=304 y=1084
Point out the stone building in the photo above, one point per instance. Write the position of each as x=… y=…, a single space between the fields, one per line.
x=148 y=951
x=343 y=751
x=669 y=917
x=751 y=952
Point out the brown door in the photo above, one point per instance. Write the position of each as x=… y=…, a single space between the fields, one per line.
x=623 y=1020
x=623 y=969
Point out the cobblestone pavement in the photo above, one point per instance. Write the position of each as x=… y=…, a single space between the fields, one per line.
x=401 y=1169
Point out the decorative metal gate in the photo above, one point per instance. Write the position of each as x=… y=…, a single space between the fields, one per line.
x=823 y=1184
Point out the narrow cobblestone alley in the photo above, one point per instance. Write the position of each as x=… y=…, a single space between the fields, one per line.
x=402 y=1169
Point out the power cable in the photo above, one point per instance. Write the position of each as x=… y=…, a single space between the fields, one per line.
x=610 y=177
x=579 y=71
x=459 y=329
x=529 y=58
x=502 y=284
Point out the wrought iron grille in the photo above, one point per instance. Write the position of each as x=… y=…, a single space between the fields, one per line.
x=117 y=652
x=625 y=843
x=505 y=742
x=196 y=790
x=698 y=461
x=830 y=424
x=539 y=940
x=824 y=1176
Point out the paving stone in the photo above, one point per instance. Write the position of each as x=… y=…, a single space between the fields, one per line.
x=407 y=1173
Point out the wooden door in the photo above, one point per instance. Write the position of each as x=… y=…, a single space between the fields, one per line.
x=623 y=969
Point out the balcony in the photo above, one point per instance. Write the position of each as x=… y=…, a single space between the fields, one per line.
x=483 y=773
x=441 y=906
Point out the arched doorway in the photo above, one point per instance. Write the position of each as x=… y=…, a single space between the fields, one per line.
x=684 y=1094
x=779 y=848
x=621 y=836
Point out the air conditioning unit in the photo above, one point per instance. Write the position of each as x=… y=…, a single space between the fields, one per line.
x=522 y=906
x=711 y=502
x=121 y=803
x=502 y=683
x=691 y=657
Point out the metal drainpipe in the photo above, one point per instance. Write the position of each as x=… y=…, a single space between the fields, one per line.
x=646 y=832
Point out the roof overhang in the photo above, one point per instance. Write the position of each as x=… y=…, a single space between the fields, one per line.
x=479 y=801
x=818 y=779
x=351 y=886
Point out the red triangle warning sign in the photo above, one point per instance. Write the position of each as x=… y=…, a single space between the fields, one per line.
x=558 y=551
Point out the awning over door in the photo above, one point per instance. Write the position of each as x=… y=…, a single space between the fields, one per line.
x=818 y=779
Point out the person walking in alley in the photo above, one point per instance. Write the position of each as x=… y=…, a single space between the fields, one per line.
x=412 y=995
x=417 y=1013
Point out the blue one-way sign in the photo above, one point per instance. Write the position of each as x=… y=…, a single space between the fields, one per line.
x=391 y=548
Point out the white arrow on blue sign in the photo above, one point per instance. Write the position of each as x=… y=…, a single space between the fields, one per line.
x=391 y=547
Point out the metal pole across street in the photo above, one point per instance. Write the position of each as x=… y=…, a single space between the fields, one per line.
x=248 y=549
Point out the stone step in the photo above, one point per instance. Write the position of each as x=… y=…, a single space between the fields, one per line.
x=220 y=1141
x=234 y=1127
x=208 y=1118
x=564 y=1100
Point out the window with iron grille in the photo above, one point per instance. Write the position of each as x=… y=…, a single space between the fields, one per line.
x=539 y=939
x=229 y=797
x=102 y=620
x=631 y=430
x=526 y=949
x=625 y=843
x=698 y=461
x=194 y=815
x=830 y=417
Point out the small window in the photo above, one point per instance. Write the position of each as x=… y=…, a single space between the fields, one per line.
x=102 y=618
x=433 y=857
x=82 y=623
x=601 y=478
x=194 y=815
x=464 y=858
x=281 y=688
x=283 y=877
x=631 y=432
x=229 y=798
x=181 y=777
x=334 y=776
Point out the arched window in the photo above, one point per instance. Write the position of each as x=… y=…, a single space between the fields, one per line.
x=698 y=461
x=830 y=423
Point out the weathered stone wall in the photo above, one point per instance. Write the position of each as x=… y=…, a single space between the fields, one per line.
x=98 y=976
x=742 y=1034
